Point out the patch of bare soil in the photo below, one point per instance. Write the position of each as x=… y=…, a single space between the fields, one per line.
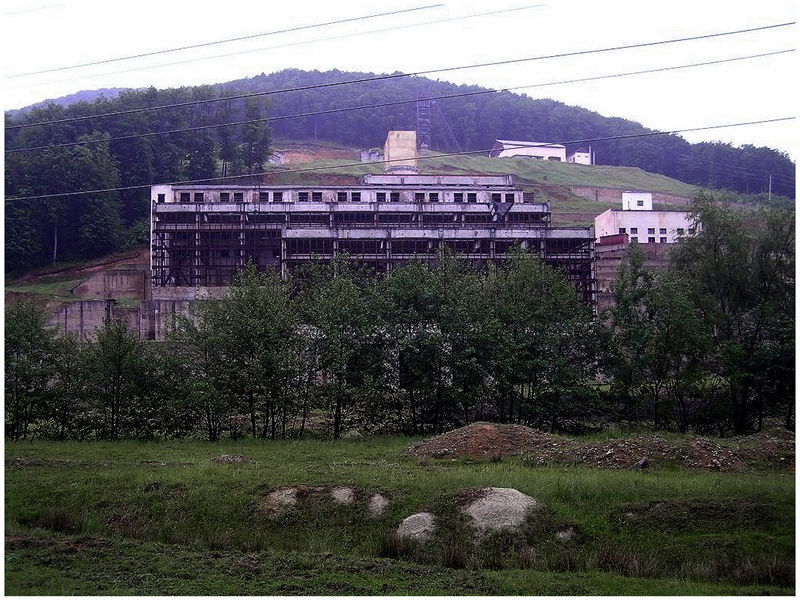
x=488 y=441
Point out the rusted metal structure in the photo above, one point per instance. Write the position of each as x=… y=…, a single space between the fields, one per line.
x=201 y=235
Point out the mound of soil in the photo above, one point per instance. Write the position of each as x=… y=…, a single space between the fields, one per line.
x=480 y=440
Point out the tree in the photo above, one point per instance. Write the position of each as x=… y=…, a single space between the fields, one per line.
x=28 y=352
x=739 y=270
x=337 y=308
x=115 y=376
x=257 y=333
x=543 y=345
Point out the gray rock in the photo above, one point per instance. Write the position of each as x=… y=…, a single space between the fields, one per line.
x=566 y=534
x=353 y=435
x=378 y=504
x=344 y=495
x=500 y=509
x=280 y=499
x=418 y=526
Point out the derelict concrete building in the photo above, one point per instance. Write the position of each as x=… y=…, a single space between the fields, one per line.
x=202 y=234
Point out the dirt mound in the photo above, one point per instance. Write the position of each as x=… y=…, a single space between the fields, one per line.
x=772 y=448
x=480 y=440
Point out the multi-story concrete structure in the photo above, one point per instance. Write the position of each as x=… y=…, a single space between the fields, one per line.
x=523 y=148
x=641 y=223
x=637 y=222
x=202 y=234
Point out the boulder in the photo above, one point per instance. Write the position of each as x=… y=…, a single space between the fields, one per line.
x=344 y=495
x=418 y=526
x=500 y=509
x=378 y=504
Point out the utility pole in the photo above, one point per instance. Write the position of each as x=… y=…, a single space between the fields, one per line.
x=769 y=194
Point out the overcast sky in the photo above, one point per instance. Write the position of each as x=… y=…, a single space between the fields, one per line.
x=43 y=34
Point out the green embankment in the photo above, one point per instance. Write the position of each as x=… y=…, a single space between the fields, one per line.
x=165 y=518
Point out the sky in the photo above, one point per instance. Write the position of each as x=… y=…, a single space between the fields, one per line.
x=47 y=34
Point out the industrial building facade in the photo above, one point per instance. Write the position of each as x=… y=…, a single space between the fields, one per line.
x=202 y=234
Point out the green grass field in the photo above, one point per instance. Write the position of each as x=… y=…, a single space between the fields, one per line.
x=529 y=171
x=164 y=518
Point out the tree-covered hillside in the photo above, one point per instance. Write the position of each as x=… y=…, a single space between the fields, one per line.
x=477 y=120
x=67 y=228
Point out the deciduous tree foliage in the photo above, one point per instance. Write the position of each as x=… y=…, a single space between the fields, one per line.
x=707 y=344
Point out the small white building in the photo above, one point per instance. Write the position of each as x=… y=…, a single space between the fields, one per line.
x=637 y=201
x=534 y=150
x=641 y=223
x=582 y=156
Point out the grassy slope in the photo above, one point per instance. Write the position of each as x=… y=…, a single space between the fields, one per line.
x=527 y=170
x=549 y=180
x=152 y=518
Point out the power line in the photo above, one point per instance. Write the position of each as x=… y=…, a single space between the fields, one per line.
x=291 y=44
x=404 y=75
x=224 y=41
x=359 y=164
x=395 y=103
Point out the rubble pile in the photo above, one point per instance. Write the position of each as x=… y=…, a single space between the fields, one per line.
x=480 y=440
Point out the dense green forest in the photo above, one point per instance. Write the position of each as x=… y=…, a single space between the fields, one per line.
x=707 y=345
x=477 y=120
x=41 y=231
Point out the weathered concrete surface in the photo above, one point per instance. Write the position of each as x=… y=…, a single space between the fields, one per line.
x=116 y=283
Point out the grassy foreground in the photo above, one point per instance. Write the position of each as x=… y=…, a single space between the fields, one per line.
x=164 y=518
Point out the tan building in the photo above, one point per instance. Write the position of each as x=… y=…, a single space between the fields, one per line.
x=400 y=152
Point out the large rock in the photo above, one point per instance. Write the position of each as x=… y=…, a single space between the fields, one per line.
x=500 y=509
x=378 y=504
x=280 y=500
x=344 y=495
x=418 y=526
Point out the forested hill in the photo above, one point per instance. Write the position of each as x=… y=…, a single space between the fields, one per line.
x=39 y=231
x=476 y=121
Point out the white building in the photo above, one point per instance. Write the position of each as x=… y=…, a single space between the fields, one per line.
x=534 y=150
x=637 y=201
x=641 y=223
x=582 y=156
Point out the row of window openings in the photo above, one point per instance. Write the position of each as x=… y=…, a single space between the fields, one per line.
x=340 y=196
x=652 y=230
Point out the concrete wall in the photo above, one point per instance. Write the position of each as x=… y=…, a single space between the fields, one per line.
x=400 y=150
x=581 y=158
x=116 y=283
x=637 y=201
x=614 y=196
x=609 y=257
x=150 y=320
x=82 y=317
